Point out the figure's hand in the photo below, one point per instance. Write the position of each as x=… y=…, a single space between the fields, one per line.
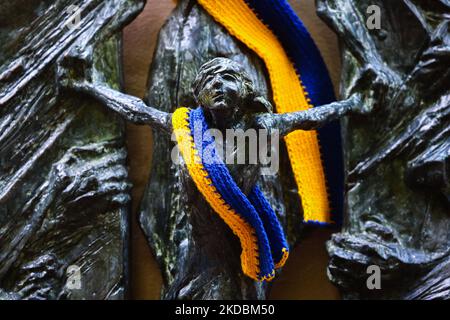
x=103 y=181
x=354 y=104
x=372 y=86
x=73 y=72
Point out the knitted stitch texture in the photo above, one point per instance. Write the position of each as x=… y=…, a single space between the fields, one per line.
x=289 y=95
x=251 y=218
x=302 y=51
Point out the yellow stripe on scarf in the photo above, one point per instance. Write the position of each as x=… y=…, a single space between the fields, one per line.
x=288 y=95
x=245 y=233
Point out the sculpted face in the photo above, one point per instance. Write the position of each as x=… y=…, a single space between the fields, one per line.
x=220 y=91
x=221 y=86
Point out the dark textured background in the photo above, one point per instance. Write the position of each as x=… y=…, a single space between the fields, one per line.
x=304 y=276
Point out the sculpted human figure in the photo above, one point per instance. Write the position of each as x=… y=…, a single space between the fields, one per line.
x=228 y=100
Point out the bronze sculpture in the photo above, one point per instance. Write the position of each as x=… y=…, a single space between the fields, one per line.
x=226 y=94
x=190 y=38
x=58 y=159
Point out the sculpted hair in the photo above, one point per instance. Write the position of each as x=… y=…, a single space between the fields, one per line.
x=254 y=102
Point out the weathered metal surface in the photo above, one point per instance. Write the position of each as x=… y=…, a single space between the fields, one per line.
x=63 y=181
x=398 y=154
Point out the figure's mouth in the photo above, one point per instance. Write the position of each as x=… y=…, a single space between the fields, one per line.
x=218 y=97
x=218 y=102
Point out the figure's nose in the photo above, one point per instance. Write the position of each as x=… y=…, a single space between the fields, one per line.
x=217 y=83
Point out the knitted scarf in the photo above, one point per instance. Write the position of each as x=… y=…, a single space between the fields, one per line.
x=251 y=217
x=299 y=80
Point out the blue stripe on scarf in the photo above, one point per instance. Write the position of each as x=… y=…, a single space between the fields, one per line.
x=308 y=62
x=271 y=224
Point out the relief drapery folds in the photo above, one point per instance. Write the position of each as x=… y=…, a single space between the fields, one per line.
x=397 y=155
x=64 y=189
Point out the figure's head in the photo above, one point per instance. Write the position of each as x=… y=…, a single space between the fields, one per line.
x=222 y=85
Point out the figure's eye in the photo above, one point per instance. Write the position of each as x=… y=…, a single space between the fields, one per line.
x=228 y=77
x=207 y=79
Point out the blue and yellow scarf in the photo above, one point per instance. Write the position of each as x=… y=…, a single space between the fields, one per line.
x=251 y=217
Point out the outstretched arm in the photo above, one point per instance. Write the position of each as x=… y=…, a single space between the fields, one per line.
x=310 y=119
x=129 y=107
